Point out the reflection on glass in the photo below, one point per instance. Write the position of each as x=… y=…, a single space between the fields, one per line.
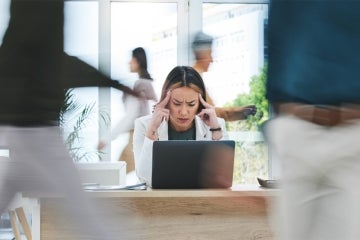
x=152 y=26
x=238 y=55
x=81 y=40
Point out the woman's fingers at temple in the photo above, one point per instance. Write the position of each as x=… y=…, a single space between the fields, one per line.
x=158 y=116
x=208 y=116
x=204 y=103
x=203 y=115
x=165 y=101
x=165 y=114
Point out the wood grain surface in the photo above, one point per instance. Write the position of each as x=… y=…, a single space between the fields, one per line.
x=193 y=217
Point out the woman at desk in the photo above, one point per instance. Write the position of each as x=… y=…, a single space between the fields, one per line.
x=181 y=114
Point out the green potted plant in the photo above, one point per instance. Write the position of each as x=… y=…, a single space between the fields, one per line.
x=80 y=116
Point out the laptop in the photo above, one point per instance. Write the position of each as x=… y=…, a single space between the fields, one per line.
x=190 y=164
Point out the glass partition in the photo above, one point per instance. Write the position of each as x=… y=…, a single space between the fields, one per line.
x=236 y=78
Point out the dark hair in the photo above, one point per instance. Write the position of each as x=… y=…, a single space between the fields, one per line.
x=201 y=41
x=184 y=76
x=140 y=56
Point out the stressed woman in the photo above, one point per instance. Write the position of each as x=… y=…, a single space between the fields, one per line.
x=181 y=114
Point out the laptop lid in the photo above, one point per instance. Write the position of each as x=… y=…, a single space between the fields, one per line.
x=187 y=164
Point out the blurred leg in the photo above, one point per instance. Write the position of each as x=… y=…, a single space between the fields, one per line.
x=7 y=191
x=339 y=209
x=320 y=165
x=46 y=166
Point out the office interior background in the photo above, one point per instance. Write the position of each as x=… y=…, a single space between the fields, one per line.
x=103 y=33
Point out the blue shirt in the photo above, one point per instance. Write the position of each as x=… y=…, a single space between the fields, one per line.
x=314 y=49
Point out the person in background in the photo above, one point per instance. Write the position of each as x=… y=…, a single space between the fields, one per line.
x=134 y=108
x=181 y=114
x=35 y=73
x=313 y=86
x=202 y=48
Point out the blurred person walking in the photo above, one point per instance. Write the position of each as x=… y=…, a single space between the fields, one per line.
x=313 y=87
x=134 y=108
x=202 y=48
x=34 y=76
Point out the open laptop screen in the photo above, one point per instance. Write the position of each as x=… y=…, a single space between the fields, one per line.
x=192 y=164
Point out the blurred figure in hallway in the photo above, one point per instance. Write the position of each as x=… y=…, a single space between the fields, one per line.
x=34 y=76
x=134 y=108
x=202 y=48
x=313 y=87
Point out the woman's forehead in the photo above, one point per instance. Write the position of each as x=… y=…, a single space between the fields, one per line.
x=184 y=93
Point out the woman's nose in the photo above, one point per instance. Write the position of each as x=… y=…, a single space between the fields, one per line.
x=183 y=110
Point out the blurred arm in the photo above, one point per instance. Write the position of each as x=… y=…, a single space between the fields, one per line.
x=235 y=113
x=77 y=73
x=232 y=113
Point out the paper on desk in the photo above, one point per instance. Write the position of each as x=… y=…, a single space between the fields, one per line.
x=98 y=187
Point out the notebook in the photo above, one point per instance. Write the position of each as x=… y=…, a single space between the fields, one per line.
x=184 y=164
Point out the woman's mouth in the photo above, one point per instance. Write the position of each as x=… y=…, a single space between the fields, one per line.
x=183 y=120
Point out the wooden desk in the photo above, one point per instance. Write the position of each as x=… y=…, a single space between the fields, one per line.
x=239 y=213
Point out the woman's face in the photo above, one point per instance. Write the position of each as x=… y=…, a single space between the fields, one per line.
x=183 y=106
x=134 y=65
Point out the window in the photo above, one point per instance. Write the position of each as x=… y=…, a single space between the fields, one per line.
x=238 y=58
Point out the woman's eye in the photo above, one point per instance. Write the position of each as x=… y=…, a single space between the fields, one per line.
x=177 y=104
x=191 y=104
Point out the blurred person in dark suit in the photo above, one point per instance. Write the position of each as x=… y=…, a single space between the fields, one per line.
x=34 y=76
x=313 y=87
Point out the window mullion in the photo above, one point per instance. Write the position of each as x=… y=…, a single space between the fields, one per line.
x=105 y=67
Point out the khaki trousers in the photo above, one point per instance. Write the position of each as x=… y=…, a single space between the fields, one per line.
x=320 y=196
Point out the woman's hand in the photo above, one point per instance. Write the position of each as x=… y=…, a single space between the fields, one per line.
x=208 y=114
x=159 y=114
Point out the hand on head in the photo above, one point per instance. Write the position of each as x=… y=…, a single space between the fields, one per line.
x=208 y=114
x=159 y=114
